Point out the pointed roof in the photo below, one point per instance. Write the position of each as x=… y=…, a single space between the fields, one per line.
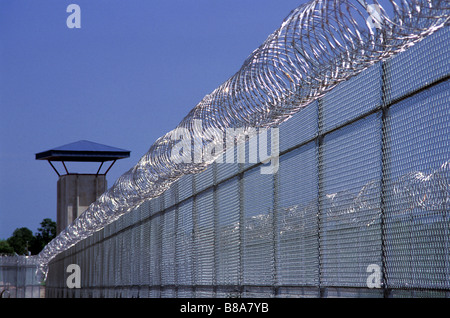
x=83 y=150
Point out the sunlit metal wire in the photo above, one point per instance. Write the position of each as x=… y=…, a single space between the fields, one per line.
x=319 y=45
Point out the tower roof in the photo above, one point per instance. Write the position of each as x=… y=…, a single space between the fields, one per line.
x=85 y=151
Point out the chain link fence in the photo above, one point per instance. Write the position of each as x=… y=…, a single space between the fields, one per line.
x=19 y=277
x=359 y=206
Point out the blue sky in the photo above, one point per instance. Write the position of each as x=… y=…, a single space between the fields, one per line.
x=130 y=74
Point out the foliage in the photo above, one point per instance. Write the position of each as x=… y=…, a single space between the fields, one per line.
x=45 y=234
x=5 y=248
x=23 y=242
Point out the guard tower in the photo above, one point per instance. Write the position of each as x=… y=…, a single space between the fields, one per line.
x=76 y=191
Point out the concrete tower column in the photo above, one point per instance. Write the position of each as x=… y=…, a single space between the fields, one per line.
x=75 y=193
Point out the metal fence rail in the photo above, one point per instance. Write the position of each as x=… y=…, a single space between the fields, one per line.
x=363 y=183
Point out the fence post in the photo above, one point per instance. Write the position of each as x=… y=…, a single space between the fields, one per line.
x=319 y=190
x=384 y=174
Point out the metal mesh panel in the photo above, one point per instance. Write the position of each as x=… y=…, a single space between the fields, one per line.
x=204 y=180
x=155 y=252
x=350 y=222
x=423 y=64
x=184 y=248
x=352 y=99
x=185 y=187
x=297 y=224
x=135 y=256
x=145 y=254
x=126 y=258
x=417 y=196
x=258 y=268
x=228 y=235
x=204 y=238
x=225 y=171
x=168 y=248
x=299 y=129
x=171 y=196
x=105 y=275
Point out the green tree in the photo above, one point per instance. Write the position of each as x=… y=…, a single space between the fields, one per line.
x=5 y=248
x=21 y=240
x=45 y=234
